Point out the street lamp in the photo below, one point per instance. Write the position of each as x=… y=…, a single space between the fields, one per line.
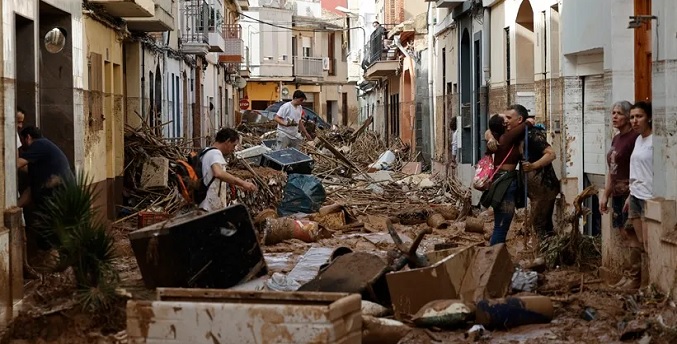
x=348 y=13
x=637 y=21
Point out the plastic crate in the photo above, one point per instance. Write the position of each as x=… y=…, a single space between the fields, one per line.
x=147 y=218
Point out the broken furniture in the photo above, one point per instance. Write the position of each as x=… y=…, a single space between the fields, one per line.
x=356 y=272
x=200 y=250
x=223 y=316
x=253 y=154
x=364 y=273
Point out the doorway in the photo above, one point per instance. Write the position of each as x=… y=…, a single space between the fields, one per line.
x=56 y=82
x=330 y=111
x=524 y=41
x=344 y=108
x=466 y=99
x=25 y=71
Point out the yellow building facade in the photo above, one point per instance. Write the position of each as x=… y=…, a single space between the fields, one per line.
x=104 y=109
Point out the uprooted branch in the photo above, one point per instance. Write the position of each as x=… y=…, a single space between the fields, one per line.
x=572 y=247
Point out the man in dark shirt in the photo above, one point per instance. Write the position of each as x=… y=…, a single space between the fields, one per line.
x=47 y=166
x=543 y=186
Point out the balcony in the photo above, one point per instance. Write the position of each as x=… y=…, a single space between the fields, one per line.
x=201 y=28
x=450 y=4
x=308 y=66
x=127 y=8
x=162 y=19
x=234 y=45
x=381 y=60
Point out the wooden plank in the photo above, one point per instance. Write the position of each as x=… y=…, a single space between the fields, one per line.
x=362 y=129
x=195 y=294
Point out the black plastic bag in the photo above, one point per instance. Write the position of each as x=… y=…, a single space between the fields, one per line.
x=303 y=194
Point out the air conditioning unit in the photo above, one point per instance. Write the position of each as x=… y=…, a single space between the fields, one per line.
x=325 y=63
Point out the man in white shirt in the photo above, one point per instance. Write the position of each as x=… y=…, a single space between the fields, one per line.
x=289 y=120
x=214 y=171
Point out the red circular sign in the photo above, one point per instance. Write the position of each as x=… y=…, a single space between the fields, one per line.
x=244 y=104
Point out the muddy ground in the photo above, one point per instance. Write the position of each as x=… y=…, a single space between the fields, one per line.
x=50 y=315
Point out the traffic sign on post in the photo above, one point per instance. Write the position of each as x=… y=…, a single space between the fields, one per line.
x=244 y=104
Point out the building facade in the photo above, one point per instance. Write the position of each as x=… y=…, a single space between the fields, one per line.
x=398 y=65
x=47 y=82
x=110 y=64
x=299 y=46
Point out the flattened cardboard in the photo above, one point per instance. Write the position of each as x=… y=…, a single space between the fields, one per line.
x=412 y=289
x=489 y=274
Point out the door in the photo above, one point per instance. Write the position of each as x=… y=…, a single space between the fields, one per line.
x=344 y=108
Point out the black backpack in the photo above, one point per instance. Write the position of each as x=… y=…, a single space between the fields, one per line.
x=190 y=178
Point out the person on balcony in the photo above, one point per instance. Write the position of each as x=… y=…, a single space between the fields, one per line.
x=290 y=122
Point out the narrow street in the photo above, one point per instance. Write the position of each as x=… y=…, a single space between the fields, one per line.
x=338 y=171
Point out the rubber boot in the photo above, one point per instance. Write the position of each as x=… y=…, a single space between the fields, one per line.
x=620 y=282
x=634 y=278
x=634 y=274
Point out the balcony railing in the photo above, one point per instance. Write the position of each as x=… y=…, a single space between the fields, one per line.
x=378 y=49
x=234 y=45
x=308 y=66
x=202 y=28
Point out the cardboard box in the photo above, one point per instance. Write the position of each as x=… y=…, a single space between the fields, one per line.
x=412 y=289
x=489 y=274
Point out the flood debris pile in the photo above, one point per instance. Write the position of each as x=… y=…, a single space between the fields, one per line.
x=151 y=180
x=569 y=246
x=147 y=176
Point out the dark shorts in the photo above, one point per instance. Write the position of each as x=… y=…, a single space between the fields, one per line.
x=637 y=208
x=618 y=216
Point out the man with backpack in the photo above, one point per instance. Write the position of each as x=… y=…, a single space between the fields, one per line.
x=213 y=171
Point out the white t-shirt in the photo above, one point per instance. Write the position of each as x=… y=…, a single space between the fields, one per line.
x=18 y=141
x=217 y=194
x=641 y=168
x=289 y=112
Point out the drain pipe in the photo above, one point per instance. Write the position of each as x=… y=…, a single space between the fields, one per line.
x=431 y=90
x=486 y=69
x=143 y=82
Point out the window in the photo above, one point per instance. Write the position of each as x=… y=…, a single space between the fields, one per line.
x=151 y=108
x=177 y=111
x=306 y=47
x=95 y=71
x=331 y=53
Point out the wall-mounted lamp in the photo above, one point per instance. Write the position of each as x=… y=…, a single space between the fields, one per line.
x=637 y=21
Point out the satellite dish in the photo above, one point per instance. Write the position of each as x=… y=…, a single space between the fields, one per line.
x=240 y=82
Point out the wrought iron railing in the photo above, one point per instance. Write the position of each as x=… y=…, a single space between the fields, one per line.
x=200 y=18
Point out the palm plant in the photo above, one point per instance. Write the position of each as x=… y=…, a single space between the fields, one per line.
x=82 y=241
